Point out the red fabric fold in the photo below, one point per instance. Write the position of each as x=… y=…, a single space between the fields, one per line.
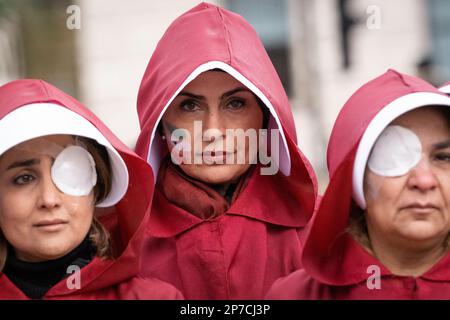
x=192 y=195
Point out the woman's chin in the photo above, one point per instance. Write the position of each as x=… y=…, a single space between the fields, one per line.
x=51 y=251
x=422 y=231
x=215 y=174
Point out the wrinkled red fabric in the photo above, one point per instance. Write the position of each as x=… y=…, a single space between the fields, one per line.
x=180 y=189
x=126 y=221
x=240 y=253
x=335 y=266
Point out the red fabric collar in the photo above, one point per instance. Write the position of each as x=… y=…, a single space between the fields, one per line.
x=349 y=265
x=180 y=190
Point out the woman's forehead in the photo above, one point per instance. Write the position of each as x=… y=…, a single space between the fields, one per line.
x=61 y=139
x=422 y=116
x=48 y=145
x=426 y=122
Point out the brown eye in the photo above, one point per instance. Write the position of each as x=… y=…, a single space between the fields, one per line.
x=236 y=104
x=189 y=105
x=442 y=157
x=23 y=179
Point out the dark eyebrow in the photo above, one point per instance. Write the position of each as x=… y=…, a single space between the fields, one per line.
x=231 y=92
x=191 y=95
x=442 y=145
x=226 y=94
x=25 y=163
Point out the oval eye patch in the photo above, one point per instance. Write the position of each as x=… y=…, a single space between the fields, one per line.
x=396 y=151
x=73 y=171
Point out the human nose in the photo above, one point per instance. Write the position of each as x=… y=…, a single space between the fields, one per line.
x=422 y=177
x=213 y=119
x=214 y=126
x=49 y=194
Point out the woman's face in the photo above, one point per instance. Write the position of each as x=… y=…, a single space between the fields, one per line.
x=39 y=221
x=217 y=101
x=413 y=209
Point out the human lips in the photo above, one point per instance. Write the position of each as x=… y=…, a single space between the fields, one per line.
x=421 y=207
x=217 y=156
x=217 y=153
x=53 y=224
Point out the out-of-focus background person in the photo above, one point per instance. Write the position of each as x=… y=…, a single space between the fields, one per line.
x=323 y=50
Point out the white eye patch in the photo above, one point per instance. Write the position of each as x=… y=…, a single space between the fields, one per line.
x=73 y=171
x=396 y=151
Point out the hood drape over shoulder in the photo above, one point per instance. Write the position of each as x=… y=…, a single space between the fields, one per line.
x=125 y=220
x=205 y=38
x=335 y=266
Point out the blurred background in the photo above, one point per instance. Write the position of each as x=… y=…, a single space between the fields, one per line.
x=323 y=50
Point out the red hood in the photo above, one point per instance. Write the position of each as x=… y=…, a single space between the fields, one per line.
x=204 y=38
x=128 y=217
x=330 y=255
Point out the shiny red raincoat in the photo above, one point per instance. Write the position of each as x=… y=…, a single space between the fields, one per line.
x=335 y=266
x=126 y=221
x=239 y=254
